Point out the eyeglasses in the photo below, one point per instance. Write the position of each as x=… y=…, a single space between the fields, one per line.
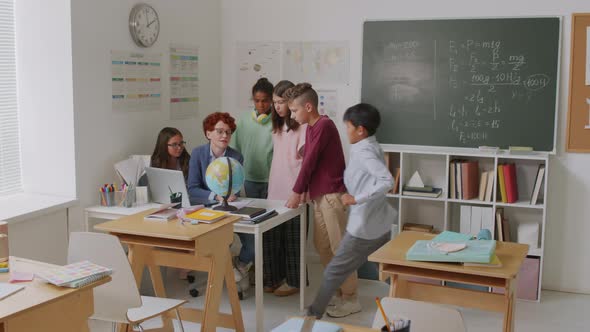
x=221 y=131
x=177 y=145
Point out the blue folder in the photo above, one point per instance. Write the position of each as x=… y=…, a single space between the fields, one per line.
x=477 y=251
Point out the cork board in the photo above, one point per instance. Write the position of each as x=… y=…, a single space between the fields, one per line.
x=578 y=125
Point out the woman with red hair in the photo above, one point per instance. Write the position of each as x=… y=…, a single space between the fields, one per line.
x=218 y=128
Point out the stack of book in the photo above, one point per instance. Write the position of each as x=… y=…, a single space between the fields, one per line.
x=426 y=191
x=464 y=179
x=507 y=183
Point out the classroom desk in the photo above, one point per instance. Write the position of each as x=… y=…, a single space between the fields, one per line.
x=284 y=214
x=44 y=307
x=202 y=247
x=114 y=212
x=392 y=264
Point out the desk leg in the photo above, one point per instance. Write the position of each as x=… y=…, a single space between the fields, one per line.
x=510 y=300
x=258 y=280
x=302 y=266
x=137 y=259
x=160 y=291
x=217 y=274
x=394 y=285
x=232 y=292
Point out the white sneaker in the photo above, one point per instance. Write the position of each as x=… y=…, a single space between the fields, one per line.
x=335 y=300
x=344 y=308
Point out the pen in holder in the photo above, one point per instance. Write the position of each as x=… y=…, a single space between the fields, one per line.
x=127 y=197
x=175 y=198
x=107 y=198
x=400 y=325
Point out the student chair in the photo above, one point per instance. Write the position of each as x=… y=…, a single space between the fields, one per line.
x=424 y=316
x=117 y=301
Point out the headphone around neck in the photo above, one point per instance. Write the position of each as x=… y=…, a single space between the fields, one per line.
x=260 y=118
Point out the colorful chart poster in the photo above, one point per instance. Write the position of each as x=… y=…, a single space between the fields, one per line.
x=184 y=81
x=136 y=81
x=316 y=62
x=328 y=102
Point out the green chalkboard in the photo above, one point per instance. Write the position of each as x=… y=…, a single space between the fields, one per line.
x=463 y=82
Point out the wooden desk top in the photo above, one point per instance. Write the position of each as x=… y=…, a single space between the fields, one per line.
x=172 y=229
x=394 y=252
x=36 y=292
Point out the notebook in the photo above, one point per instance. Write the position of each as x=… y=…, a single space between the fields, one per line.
x=248 y=212
x=75 y=275
x=7 y=289
x=207 y=216
x=296 y=325
x=164 y=213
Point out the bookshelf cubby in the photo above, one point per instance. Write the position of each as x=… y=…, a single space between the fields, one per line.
x=443 y=212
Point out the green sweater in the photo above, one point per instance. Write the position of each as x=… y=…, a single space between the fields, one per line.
x=254 y=141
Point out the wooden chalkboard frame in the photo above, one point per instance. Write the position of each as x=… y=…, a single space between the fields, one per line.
x=578 y=138
x=442 y=149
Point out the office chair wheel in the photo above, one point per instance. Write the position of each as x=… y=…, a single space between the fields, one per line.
x=241 y=295
x=194 y=292
x=190 y=279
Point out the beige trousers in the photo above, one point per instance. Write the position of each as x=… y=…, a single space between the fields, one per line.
x=330 y=217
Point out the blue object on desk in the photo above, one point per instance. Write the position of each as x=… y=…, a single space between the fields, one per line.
x=477 y=251
x=484 y=234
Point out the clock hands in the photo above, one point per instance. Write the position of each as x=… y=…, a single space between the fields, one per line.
x=151 y=22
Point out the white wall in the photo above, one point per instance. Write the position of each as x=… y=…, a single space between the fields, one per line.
x=44 y=239
x=46 y=110
x=265 y=20
x=104 y=137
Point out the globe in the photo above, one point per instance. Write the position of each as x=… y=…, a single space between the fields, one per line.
x=218 y=175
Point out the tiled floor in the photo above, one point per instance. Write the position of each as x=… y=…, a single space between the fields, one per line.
x=557 y=311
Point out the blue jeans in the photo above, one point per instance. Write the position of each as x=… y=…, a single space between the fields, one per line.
x=253 y=190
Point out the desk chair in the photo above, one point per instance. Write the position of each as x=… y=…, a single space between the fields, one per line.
x=424 y=316
x=117 y=301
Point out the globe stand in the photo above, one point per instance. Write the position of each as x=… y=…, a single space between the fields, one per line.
x=224 y=206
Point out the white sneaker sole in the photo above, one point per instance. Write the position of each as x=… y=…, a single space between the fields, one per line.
x=340 y=315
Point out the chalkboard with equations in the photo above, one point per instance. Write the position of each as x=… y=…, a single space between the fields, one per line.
x=463 y=82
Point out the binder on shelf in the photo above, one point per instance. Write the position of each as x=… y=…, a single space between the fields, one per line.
x=465 y=220
x=470 y=179
x=482 y=186
x=453 y=180
x=510 y=183
x=538 y=183
x=501 y=183
x=490 y=186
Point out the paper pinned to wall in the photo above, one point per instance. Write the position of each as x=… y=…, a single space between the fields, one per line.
x=587 y=55
x=316 y=62
x=184 y=81
x=136 y=81
x=256 y=60
x=328 y=102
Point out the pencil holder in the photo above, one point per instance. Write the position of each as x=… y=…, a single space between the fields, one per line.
x=107 y=198
x=125 y=198
x=395 y=324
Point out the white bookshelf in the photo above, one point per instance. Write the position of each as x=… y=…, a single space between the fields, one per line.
x=433 y=165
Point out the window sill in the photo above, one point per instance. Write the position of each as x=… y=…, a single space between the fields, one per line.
x=21 y=207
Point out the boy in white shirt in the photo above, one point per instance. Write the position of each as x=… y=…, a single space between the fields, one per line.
x=367 y=181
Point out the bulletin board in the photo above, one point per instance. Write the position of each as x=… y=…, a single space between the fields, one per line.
x=578 y=125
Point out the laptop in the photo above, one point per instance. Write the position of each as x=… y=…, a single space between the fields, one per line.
x=161 y=181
